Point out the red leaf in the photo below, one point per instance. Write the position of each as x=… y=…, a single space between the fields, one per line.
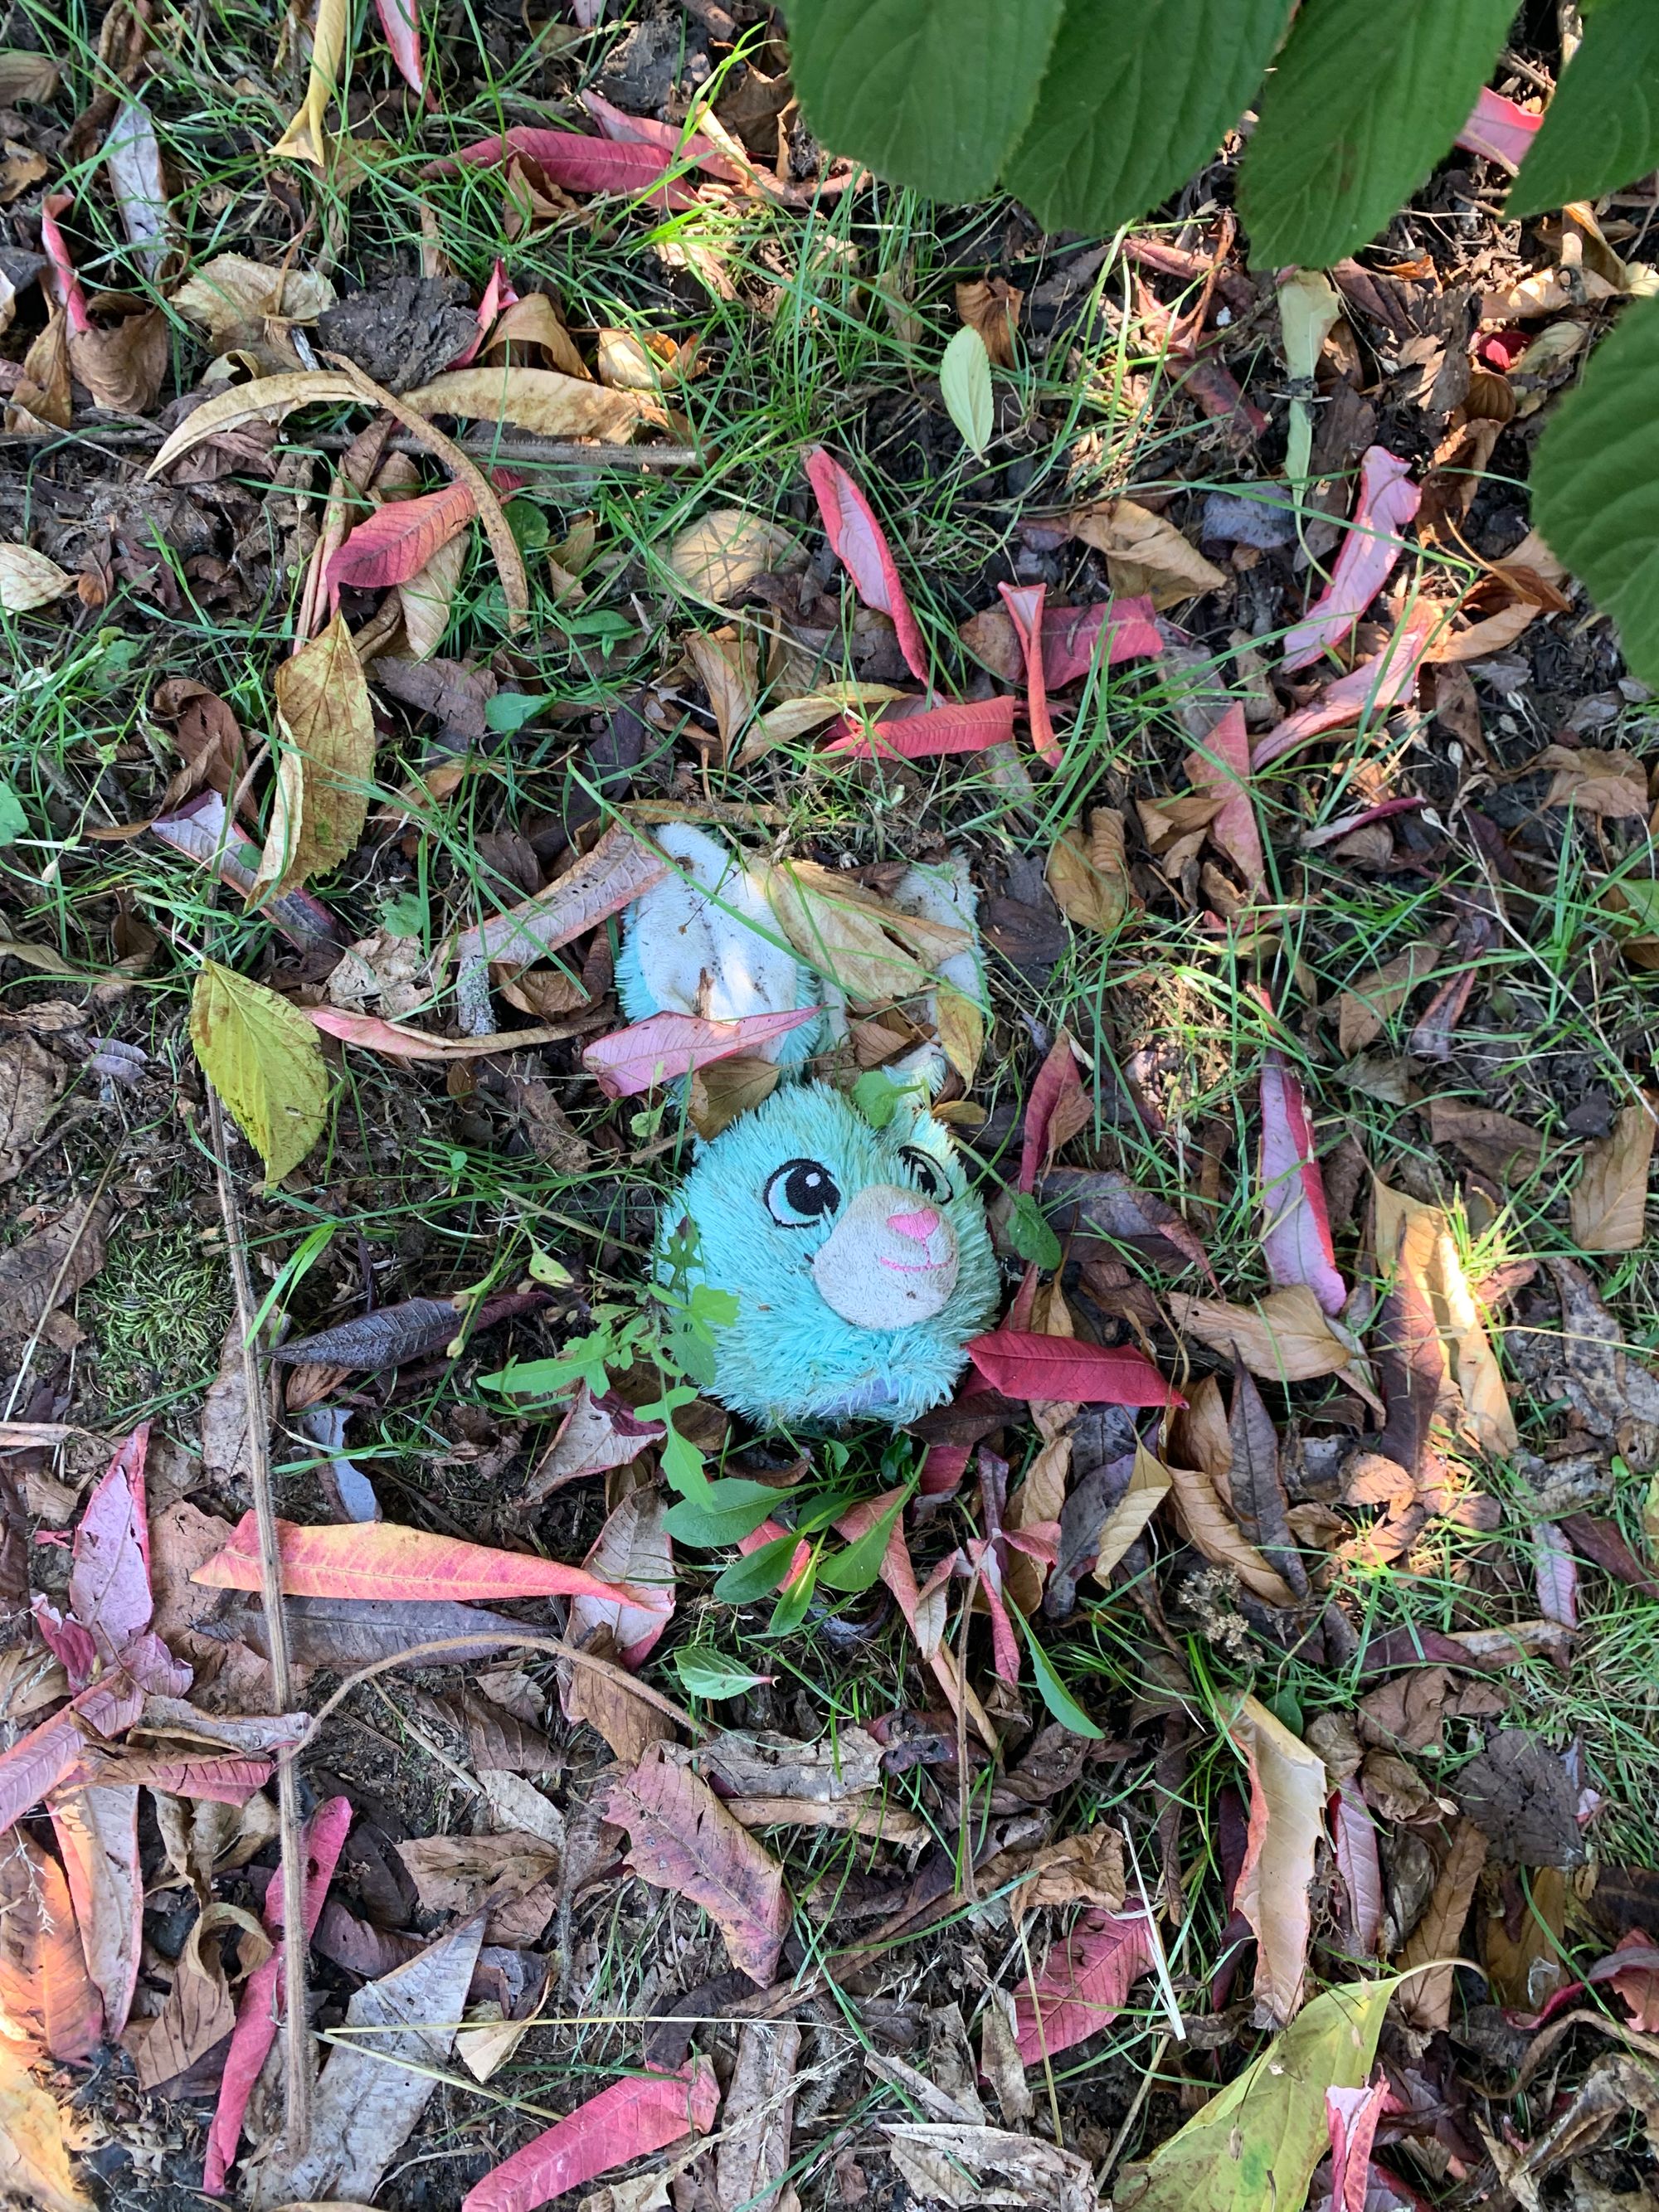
x=1371 y=689
x=856 y=540
x=577 y=164
x=1057 y=1081
x=380 y=1559
x=109 y=1582
x=257 y=2013
x=1222 y=767
x=400 y=19
x=69 y=1643
x=655 y=1051
x=1062 y=1368
x=1351 y=2116
x=62 y=281
x=1070 y=636
x=1354 y=1834
x=402 y=1040
x=397 y=541
x=925 y=736
x=1601 y=1543
x=774 y=1532
x=667 y=137
x=1024 y=605
x=622 y=2123
x=38 y=1761
x=1295 y=1226
x=1638 y=1984
x=1083 y=1985
x=1500 y=130
x=685 y=1840
x=1388 y=501
x=498 y=295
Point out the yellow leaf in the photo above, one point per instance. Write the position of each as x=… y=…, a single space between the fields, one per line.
x=265 y=1060
x=1149 y=1485
x=35 y=2163
x=267 y=399
x=1418 y=1240
x=863 y=945
x=541 y=400
x=727 y=665
x=322 y=779
x=306 y=138
x=1286 y=1337
x=1094 y=896
x=961 y=1029
x=428 y=596
x=231 y=296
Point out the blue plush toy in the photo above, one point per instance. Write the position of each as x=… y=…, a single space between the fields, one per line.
x=860 y=1260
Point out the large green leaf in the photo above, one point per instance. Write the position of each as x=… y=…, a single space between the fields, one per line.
x=1365 y=99
x=1602 y=127
x=1595 y=483
x=1257 y=2141
x=1139 y=95
x=265 y=1060
x=929 y=93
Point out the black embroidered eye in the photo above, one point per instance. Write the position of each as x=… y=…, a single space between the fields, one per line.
x=801 y=1193
x=929 y=1177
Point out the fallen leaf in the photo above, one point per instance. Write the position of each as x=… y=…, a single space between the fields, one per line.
x=929 y=735
x=1024 y=1366
x=400 y=21
x=596 y=1435
x=404 y=1041
x=1295 y=1228
x=394 y=544
x=1609 y=1204
x=262 y=1057
x=1351 y=2116
x=232 y=298
x=26 y=74
x=378 y=1560
x=479 y=1873
x=49 y=2000
x=1426 y=2000
x=109 y=1580
x=199 y=2011
x=1287 y=1827
x=1610 y=787
x=1388 y=500
x=1501 y=131
x=1368 y=691
x=643 y=2113
x=752 y=2159
x=1057 y=1110
x=29 y=579
x=992 y=307
x=1259 y=2138
x=1498 y=1146
x=326 y=770
x=633 y=1550
x=1373 y=999
x=718 y=556
x=1255 y=1489
x=1416 y=1240
x=1146 y=555
x=123 y=367
x=579 y=164
x=1353 y=1836
x=1082 y=1869
x=1084 y=1984
x=758 y=1763
x=617 y=869
x=1283 y=1339
x=858 y=542
x=1091 y=881
x=1211 y=1532
x=685 y=1840
x=950 y=2162
x=868 y=947
x=34 y=2158
x=539 y=400
x=1639 y=1986
x=97 y=1833
x=726 y=665
x=30 y=1080
x=372 y=2092
x=651 y=1053
x=1149 y=1485
x=1517 y=1794
x=1220 y=768
x=306 y=137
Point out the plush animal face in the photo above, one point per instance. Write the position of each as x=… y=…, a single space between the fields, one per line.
x=858 y=1258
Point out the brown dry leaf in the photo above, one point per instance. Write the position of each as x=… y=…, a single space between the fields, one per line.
x=42 y=400
x=199 y=2010
x=1091 y=883
x=34 y=2157
x=1255 y=1488
x=535 y=321
x=30 y=1080
x=1288 y=1788
x=46 y=1995
x=539 y=400
x=862 y=943
x=29 y=579
x=757 y=1763
x=1286 y=1337
x=953 y=2163
x=123 y=367
x=719 y=557
x=26 y=76
x=267 y=399
x=728 y=1088
x=1426 y=2000
x=1374 y=998
x=321 y=799
x=1149 y=1485
x=727 y=666
x=629 y=362
x=1202 y=1436
x=1498 y=1146
x=1525 y=1970
x=50 y=1266
x=1144 y=554
x=992 y=307
x=1084 y=1868
x=20 y=167
x=1609 y=1204
x=752 y=2156
x=426 y=599
x=684 y=1839
x=1419 y=1238
x=1610 y=786
x=512 y=1878
x=233 y=299
x=1211 y=1530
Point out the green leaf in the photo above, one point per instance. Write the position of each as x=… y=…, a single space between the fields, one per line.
x=509 y=711
x=1259 y=2139
x=1639 y=916
x=758 y=1573
x=13 y=821
x=1602 y=129
x=265 y=1060
x=705 y=1673
x=933 y=93
x=1054 y=1692
x=857 y=1567
x=1595 y=484
x=1139 y=95
x=1028 y=1232
x=730 y=1511
x=964 y=383
x=682 y=1464
x=791 y=1608
x=1364 y=102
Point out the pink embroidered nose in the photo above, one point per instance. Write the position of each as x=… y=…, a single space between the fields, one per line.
x=918 y=1227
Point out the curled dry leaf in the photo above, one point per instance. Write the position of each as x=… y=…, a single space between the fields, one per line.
x=866 y=947
x=29 y=579
x=1089 y=881
x=684 y=1839
x=1286 y=1337
x=1417 y=1239
x=267 y=399
x=1146 y=556
x=402 y=1040
x=1609 y=1204
x=992 y=307
x=1084 y=1868
x=306 y=137
x=232 y=298
x=1426 y=2000
x=1275 y=1883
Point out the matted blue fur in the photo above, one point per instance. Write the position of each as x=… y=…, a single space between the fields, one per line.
x=789 y=1358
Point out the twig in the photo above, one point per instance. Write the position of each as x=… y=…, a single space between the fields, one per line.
x=296 y=2033
x=525 y=452
x=50 y=1305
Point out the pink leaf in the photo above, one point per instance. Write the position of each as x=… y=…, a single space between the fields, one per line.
x=377 y=1559
x=1222 y=767
x=498 y=295
x=633 y=1548
x=896 y=1571
x=227 y=1781
x=257 y=2013
x=38 y=1761
x=1557 y=1574
x=202 y=831
x=935 y=731
x=402 y=1040
x=857 y=542
x=109 y=1582
x=1351 y=2116
x=1024 y=605
x=62 y=282
x=397 y=541
x=655 y=1051
x=682 y=1839
x=97 y=1832
x=1354 y=1834
x=1005 y=1645
x=1064 y=1368
x=1296 y=1227
x=152 y=1666
x=1084 y=1983
x=1071 y=634
x=668 y=137
x=1371 y=689
x=1639 y=1986
x=400 y=19
x=774 y=1532
x=1500 y=130
x=577 y=164
x=943 y=1468
x=1057 y=1081
x=1388 y=501
x=69 y=1643
x=622 y=2123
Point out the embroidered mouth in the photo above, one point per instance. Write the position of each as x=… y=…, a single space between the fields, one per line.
x=922 y=1267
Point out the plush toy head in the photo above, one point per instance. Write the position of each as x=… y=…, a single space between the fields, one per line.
x=860 y=1260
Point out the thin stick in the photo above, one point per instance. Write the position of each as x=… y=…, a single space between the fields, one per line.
x=52 y=1295
x=296 y=2033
